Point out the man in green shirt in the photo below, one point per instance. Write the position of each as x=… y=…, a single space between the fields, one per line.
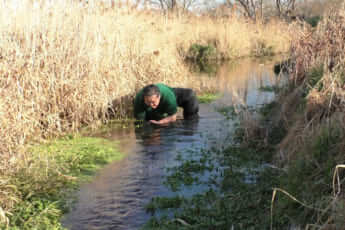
x=158 y=103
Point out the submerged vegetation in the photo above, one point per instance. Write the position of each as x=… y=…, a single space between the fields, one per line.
x=236 y=188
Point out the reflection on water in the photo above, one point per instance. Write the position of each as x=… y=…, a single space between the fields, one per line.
x=116 y=198
x=240 y=81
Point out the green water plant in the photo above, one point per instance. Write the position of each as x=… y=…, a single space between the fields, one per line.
x=237 y=184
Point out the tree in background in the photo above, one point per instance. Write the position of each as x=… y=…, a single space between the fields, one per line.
x=251 y=8
x=285 y=8
x=171 y=5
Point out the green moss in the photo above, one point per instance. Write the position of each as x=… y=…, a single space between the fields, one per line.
x=54 y=170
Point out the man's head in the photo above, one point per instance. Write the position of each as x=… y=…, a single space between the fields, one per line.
x=152 y=96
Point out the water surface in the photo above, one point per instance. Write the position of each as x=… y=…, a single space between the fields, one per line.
x=117 y=196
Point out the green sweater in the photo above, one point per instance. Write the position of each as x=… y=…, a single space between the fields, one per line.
x=167 y=105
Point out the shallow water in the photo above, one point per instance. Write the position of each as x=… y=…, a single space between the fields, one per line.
x=117 y=196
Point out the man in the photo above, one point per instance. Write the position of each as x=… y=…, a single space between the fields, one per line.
x=158 y=104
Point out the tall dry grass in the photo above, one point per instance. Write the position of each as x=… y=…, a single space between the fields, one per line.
x=65 y=65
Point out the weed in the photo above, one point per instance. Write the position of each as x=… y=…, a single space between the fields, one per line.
x=239 y=197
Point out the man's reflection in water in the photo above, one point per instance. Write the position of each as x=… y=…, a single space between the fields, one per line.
x=153 y=135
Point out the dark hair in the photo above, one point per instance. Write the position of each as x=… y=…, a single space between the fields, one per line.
x=151 y=90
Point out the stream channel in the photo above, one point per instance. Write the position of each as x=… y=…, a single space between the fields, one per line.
x=117 y=195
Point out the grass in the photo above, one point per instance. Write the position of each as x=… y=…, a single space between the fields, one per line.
x=208 y=97
x=44 y=184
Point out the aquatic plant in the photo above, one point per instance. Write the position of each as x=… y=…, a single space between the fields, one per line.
x=237 y=195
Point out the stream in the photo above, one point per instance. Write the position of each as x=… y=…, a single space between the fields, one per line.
x=117 y=196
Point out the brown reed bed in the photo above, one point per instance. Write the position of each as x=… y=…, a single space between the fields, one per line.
x=68 y=65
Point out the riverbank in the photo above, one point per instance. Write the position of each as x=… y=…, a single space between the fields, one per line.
x=285 y=167
x=41 y=188
x=310 y=116
x=67 y=66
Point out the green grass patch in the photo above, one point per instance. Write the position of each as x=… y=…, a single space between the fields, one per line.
x=208 y=97
x=47 y=179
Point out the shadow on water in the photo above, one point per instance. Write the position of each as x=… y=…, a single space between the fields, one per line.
x=117 y=196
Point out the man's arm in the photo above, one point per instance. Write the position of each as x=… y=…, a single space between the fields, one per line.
x=139 y=115
x=139 y=110
x=166 y=120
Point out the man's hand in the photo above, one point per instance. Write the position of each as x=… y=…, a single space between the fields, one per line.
x=164 y=121
x=154 y=122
